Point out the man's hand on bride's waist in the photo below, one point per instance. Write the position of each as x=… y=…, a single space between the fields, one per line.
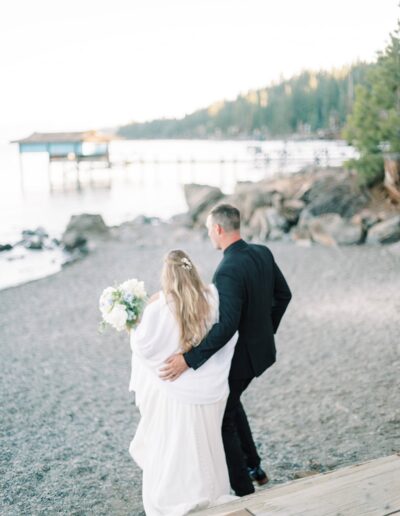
x=175 y=366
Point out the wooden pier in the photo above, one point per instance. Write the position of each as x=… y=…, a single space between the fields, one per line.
x=371 y=488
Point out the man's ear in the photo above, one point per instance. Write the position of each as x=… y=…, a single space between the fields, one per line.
x=219 y=229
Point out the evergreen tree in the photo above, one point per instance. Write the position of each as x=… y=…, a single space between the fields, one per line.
x=374 y=124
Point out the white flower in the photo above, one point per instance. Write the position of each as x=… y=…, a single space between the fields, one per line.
x=106 y=300
x=117 y=317
x=134 y=287
x=140 y=290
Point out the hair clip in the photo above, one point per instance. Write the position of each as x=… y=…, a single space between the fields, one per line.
x=186 y=264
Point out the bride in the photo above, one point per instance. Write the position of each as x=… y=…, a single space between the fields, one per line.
x=178 y=442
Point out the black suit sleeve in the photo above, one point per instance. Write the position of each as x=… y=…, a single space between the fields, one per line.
x=231 y=297
x=282 y=297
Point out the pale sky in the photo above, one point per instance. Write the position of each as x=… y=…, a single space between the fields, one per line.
x=81 y=64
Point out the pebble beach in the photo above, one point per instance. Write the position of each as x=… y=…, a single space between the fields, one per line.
x=67 y=417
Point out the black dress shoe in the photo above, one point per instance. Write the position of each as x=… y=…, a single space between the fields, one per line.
x=258 y=475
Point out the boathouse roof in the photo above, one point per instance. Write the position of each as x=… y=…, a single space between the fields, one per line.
x=72 y=137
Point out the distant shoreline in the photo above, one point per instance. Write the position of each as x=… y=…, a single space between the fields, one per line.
x=244 y=138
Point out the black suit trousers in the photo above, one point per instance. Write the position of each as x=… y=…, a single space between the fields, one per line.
x=240 y=450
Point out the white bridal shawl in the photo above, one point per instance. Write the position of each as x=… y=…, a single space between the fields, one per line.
x=157 y=338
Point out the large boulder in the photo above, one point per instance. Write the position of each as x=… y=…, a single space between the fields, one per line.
x=258 y=226
x=201 y=198
x=335 y=193
x=243 y=187
x=291 y=210
x=367 y=218
x=182 y=220
x=323 y=191
x=34 y=242
x=35 y=238
x=267 y=223
x=88 y=224
x=332 y=229
x=248 y=202
x=386 y=232
x=82 y=228
x=292 y=186
x=73 y=240
x=301 y=235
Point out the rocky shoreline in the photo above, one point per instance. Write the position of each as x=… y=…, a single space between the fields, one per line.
x=323 y=206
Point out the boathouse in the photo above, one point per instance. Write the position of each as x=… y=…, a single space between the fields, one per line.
x=86 y=146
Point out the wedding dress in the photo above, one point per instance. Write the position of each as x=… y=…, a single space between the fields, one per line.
x=178 y=442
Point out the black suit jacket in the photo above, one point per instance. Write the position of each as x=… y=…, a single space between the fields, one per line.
x=253 y=297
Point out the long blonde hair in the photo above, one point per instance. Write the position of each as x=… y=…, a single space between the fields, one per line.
x=182 y=285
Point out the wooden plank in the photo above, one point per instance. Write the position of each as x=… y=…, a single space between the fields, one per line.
x=371 y=488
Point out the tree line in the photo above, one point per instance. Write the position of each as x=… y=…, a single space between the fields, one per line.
x=311 y=103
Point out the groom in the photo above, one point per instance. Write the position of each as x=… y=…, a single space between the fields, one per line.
x=253 y=298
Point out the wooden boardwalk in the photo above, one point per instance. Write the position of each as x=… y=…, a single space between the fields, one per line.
x=371 y=488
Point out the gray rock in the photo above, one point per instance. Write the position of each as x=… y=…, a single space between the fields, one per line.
x=36 y=239
x=386 y=232
x=290 y=187
x=5 y=247
x=291 y=210
x=39 y=231
x=142 y=220
x=276 y=234
x=267 y=223
x=182 y=220
x=258 y=226
x=83 y=227
x=276 y=220
x=87 y=224
x=335 y=193
x=200 y=198
x=331 y=229
x=73 y=239
x=367 y=218
x=34 y=242
x=301 y=236
x=26 y=233
x=243 y=187
x=251 y=201
x=71 y=255
x=304 y=218
x=254 y=197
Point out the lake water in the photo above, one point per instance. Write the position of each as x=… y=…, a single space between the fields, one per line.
x=151 y=185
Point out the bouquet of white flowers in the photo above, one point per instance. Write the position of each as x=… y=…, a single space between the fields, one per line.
x=122 y=306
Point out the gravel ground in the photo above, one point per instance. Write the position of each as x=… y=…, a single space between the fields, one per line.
x=67 y=418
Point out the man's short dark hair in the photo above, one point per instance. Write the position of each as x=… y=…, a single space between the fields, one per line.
x=227 y=216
